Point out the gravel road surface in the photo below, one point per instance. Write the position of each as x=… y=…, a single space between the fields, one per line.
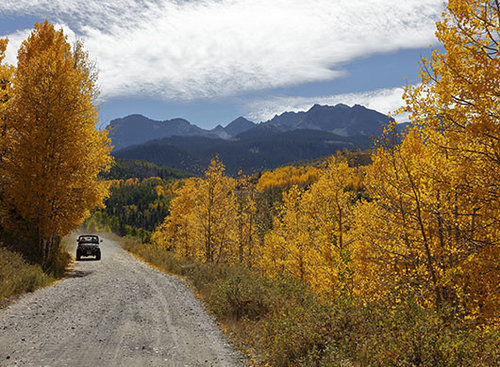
x=113 y=312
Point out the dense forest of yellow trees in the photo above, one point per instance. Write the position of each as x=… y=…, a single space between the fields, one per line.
x=51 y=152
x=399 y=242
x=421 y=223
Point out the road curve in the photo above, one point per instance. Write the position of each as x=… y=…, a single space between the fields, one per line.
x=113 y=312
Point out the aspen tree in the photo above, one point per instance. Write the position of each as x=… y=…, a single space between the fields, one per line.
x=287 y=247
x=458 y=106
x=395 y=247
x=55 y=152
x=6 y=75
x=216 y=207
x=309 y=236
x=177 y=232
x=203 y=218
x=246 y=226
x=328 y=205
x=432 y=231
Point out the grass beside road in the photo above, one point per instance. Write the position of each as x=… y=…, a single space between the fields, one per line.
x=279 y=322
x=18 y=276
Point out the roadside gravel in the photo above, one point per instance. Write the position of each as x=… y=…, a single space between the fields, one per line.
x=113 y=312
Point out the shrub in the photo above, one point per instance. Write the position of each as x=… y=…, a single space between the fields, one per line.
x=283 y=323
x=242 y=295
x=17 y=276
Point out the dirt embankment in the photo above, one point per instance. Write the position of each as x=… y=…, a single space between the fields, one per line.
x=113 y=312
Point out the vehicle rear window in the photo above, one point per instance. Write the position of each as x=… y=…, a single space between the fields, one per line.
x=89 y=239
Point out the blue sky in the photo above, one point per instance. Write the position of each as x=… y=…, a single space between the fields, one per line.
x=211 y=61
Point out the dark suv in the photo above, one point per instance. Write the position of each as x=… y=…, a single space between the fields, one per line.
x=88 y=245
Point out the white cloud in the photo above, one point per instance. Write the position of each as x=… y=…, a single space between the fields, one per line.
x=190 y=49
x=386 y=101
x=15 y=40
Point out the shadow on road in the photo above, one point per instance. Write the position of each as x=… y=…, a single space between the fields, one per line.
x=87 y=259
x=79 y=273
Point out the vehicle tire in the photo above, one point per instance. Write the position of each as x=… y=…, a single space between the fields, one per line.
x=98 y=256
x=78 y=257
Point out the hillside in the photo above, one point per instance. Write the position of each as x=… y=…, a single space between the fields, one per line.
x=126 y=168
x=254 y=150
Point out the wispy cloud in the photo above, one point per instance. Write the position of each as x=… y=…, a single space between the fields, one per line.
x=207 y=48
x=383 y=100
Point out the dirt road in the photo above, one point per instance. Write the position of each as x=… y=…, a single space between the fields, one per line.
x=113 y=312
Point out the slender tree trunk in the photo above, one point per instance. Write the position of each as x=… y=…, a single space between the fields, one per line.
x=425 y=241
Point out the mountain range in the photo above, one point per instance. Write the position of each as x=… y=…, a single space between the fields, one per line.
x=340 y=119
x=138 y=129
x=245 y=145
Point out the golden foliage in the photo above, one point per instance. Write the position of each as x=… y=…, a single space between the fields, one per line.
x=176 y=232
x=55 y=153
x=286 y=177
x=202 y=220
x=246 y=236
x=213 y=219
x=432 y=230
x=308 y=240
